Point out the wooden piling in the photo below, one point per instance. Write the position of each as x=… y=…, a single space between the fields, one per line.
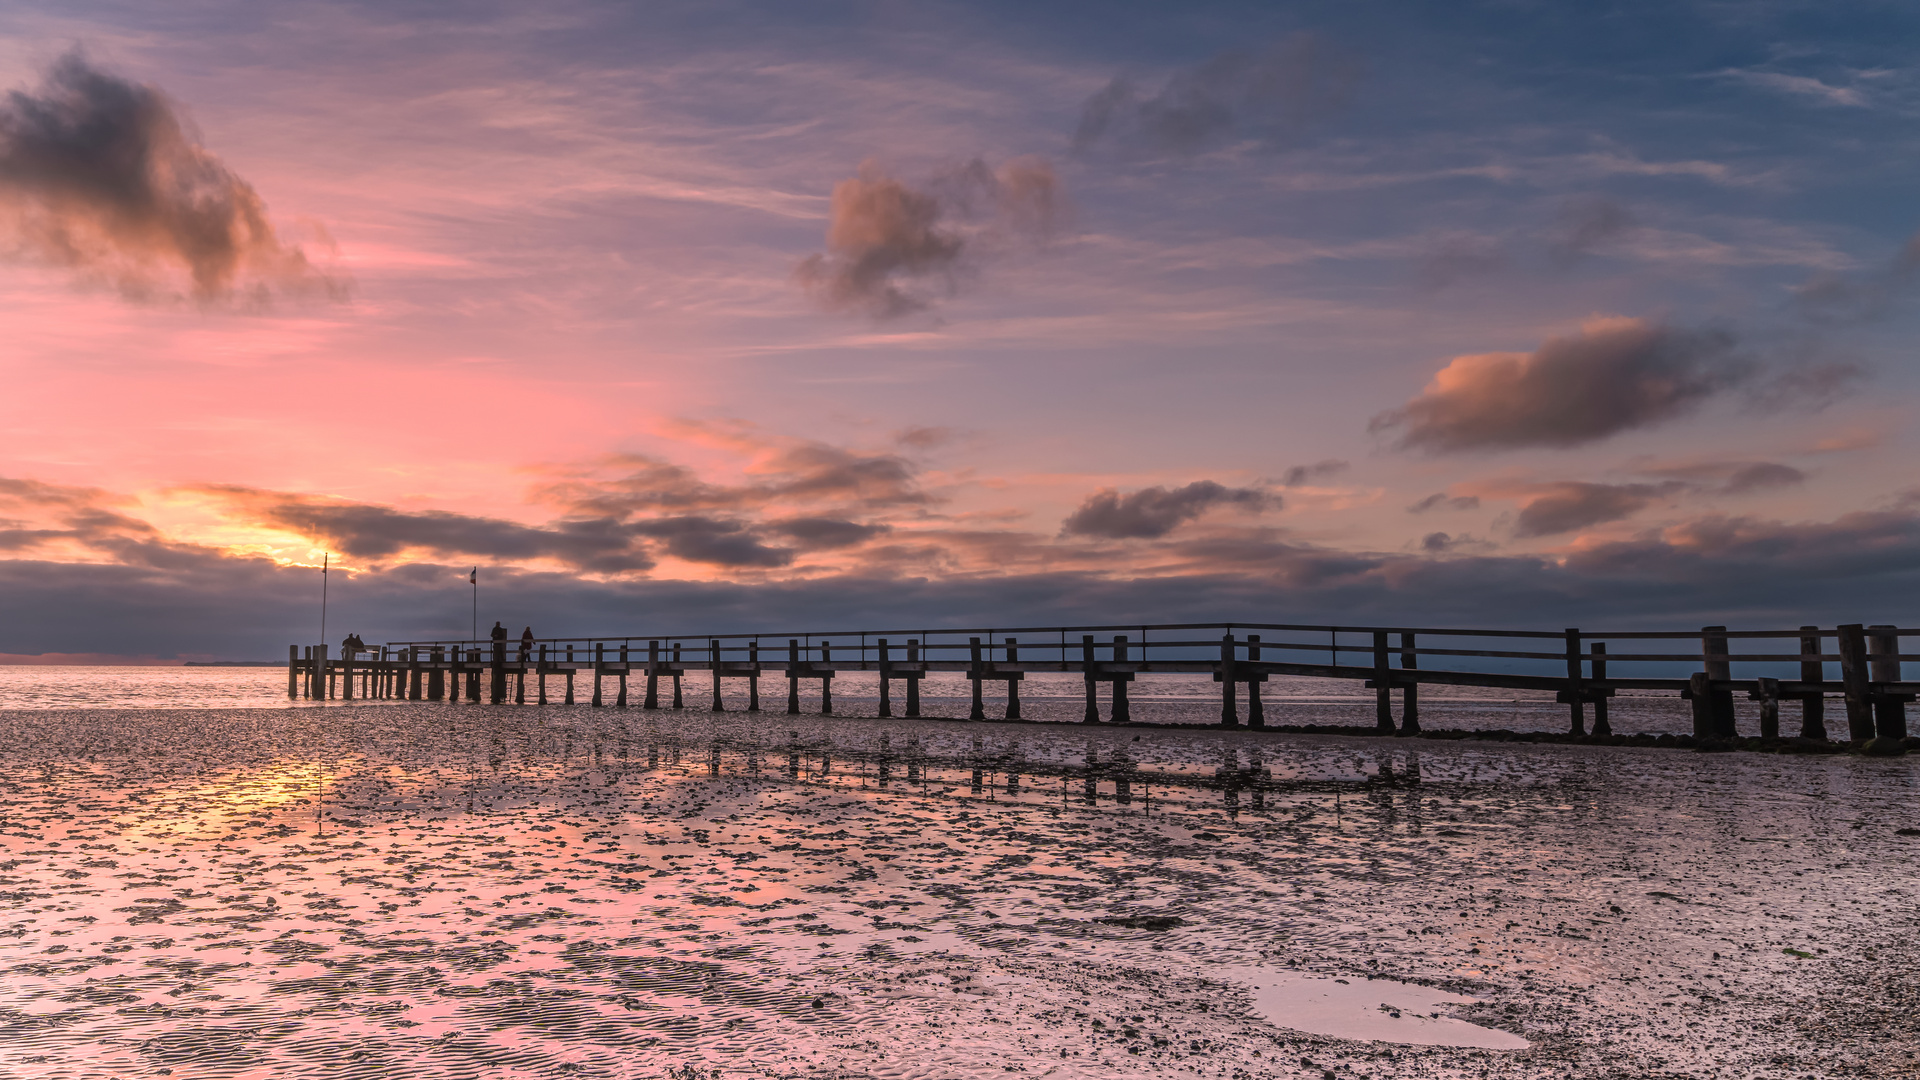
x=713 y=654
x=677 y=672
x=1767 y=693
x=1700 y=695
x=541 y=677
x=1229 y=712
x=1713 y=642
x=1410 y=690
x=653 y=676
x=498 y=683
x=346 y=672
x=520 y=679
x=293 y=673
x=913 y=684
x=753 y=676
x=1597 y=653
x=886 y=678
x=1256 y=710
x=793 y=676
x=325 y=689
x=1889 y=709
x=1382 y=685
x=974 y=674
x=437 y=678
x=599 y=663
x=473 y=675
x=1856 y=680
x=1013 y=680
x=1092 y=715
x=1122 y=712
x=826 y=678
x=1576 y=686
x=1813 y=703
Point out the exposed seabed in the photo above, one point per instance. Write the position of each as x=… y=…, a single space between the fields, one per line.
x=475 y=891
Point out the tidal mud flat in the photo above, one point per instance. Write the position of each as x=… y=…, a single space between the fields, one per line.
x=457 y=891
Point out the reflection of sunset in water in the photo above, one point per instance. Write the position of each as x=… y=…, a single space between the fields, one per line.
x=463 y=891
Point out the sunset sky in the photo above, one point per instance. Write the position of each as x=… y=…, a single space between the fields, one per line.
x=732 y=316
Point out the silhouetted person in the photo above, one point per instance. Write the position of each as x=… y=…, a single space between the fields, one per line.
x=526 y=643
x=499 y=632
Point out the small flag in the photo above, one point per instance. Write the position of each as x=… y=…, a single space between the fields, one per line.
x=324 y=560
x=474 y=578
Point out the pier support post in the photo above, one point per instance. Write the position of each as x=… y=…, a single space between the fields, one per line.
x=325 y=688
x=346 y=672
x=1889 y=709
x=437 y=678
x=793 y=676
x=1410 y=690
x=713 y=653
x=1256 y=710
x=541 y=674
x=1700 y=694
x=473 y=675
x=1857 y=682
x=653 y=678
x=1813 y=704
x=1767 y=693
x=599 y=661
x=1122 y=712
x=1087 y=666
x=886 y=678
x=974 y=674
x=1714 y=642
x=569 y=696
x=913 y=684
x=753 y=676
x=620 y=692
x=1576 y=687
x=1013 y=680
x=826 y=678
x=498 y=683
x=1598 y=657
x=1382 y=685
x=293 y=673
x=676 y=677
x=1229 y=711
x=520 y=679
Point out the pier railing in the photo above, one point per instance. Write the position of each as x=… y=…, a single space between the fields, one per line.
x=1582 y=668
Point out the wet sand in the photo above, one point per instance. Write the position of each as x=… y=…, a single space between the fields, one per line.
x=467 y=891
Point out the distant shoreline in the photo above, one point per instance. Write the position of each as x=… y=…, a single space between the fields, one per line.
x=235 y=663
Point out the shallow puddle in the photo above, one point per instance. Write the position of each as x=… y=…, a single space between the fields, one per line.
x=1371 y=1010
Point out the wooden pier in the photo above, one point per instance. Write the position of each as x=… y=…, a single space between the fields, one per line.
x=1577 y=666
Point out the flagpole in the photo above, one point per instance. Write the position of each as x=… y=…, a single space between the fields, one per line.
x=474 y=580
x=324 y=560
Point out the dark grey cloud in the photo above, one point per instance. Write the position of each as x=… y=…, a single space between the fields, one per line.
x=1572 y=505
x=713 y=541
x=822 y=534
x=1742 y=572
x=1831 y=296
x=1614 y=375
x=1267 y=93
x=1453 y=258
x=1583 y=225
x=1319 y=470
x=1156 y=511
x=1440 y=500
x=102 y=175
x=370 y=532
x=892 y=249
x=804 y=474
x=1762 y=476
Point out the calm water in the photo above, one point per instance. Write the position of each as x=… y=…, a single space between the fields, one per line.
x=472 y=891
x=1178 y=699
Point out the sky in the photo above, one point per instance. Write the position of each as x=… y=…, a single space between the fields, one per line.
x=716 y=317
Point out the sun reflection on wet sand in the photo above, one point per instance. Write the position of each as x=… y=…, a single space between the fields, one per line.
x=460 y=891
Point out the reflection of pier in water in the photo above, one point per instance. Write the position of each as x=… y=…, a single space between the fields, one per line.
x=1239 y=778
